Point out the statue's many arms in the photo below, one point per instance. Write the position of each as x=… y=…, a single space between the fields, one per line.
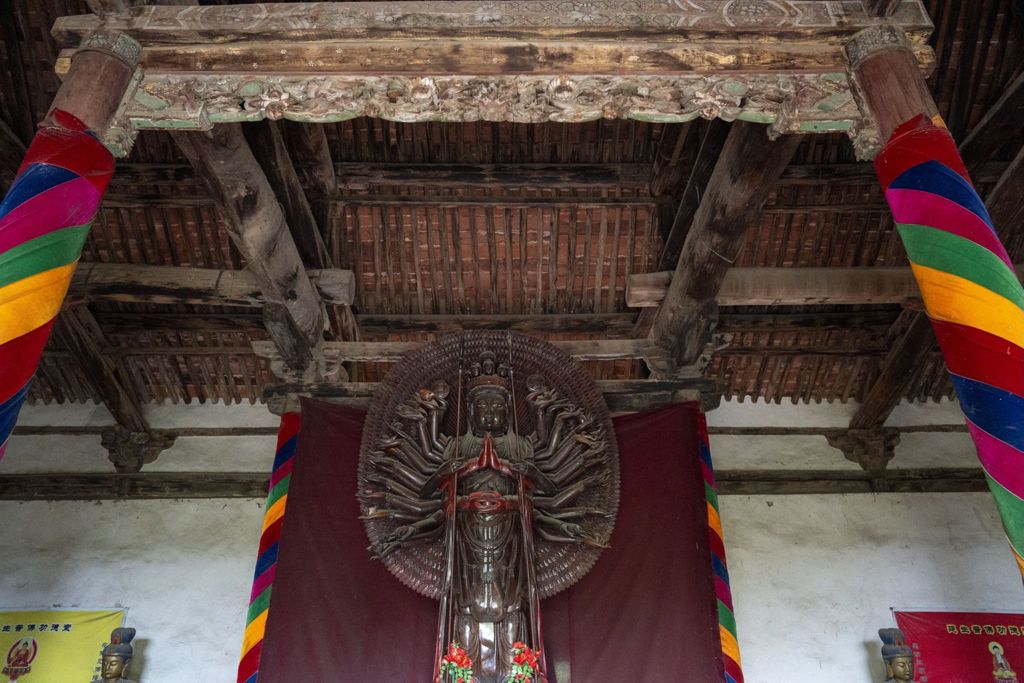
x=487 y=495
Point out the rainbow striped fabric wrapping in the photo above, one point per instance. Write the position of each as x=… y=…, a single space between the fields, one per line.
x=44 y=220
x=973 y=297
x=723 y=593
x=266 y=562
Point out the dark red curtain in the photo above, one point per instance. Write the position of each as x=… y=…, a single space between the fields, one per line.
x=646 y=612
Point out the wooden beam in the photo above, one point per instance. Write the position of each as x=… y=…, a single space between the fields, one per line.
x=792 y=286
x=132 y=443
x=272 y=154
x=611 y=325
x=747 y=169
x=293 y=310
x=622 y=396
x=362 y=176
x=128 y=283
x=177 y=485
x=393 y=351
x=1000 y=124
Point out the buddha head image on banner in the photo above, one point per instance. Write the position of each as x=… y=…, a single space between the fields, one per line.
x=489 y=480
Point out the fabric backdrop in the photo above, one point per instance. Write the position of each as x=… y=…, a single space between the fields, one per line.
x=646 y=612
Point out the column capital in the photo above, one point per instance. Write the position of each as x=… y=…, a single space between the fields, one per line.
x=875 y=39
x=114 y=43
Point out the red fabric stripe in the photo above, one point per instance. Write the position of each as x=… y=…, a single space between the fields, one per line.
x=289 y=427
x=915 y=142
x=723 y=592
x=19 y=358
x=250 y=662
x=716 y=544
x=978 y=355
x=732 y=668
x=281 y=472
x=68 y=145
x=271 y=536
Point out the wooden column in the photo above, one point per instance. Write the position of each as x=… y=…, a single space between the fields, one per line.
x=746 y=170
x=293 y=312
x=889 y=78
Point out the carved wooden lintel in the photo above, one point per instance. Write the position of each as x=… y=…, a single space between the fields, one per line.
x=872 y=449
x=778 y=62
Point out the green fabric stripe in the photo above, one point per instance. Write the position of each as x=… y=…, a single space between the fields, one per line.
x=52 y=250
x=1011 y=509
x=261 y=603
x=711 y=495
x=726 y=618
x=280 y=488
x=956 y=255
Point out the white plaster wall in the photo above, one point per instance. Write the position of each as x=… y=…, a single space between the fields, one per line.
x=183 y=570
x=814 y=576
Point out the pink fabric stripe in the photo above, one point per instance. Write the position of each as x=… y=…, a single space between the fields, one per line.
x=1001 y=460
x=72 y=203
x=281 y=472
x=262 y=581
x=924 y=208
x=722 y=592
x=709 y=476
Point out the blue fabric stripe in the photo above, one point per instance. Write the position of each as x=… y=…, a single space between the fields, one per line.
x=35 y=180
x=996 y=411
x=705 y=455
x=285 y=453
x=719 y=567
x=9 y=412
x=266 y=560
x=252 y=679
x=936 y=178
x=728 y=679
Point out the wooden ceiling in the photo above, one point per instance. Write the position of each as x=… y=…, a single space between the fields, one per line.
x=534 y=226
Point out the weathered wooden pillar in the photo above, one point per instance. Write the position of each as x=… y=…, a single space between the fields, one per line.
x=45 y=216
x=967 y=281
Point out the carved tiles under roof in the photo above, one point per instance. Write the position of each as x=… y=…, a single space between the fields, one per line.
x=433 y=221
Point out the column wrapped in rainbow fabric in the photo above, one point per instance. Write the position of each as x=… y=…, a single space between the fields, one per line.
x=44 y=220
x=266 y=562
x=716 y=543
x=973 y=297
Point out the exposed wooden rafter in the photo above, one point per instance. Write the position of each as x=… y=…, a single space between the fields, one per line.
x=1000 y=124
x=293 y=311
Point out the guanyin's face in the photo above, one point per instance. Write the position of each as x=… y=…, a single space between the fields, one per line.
x=490 y=412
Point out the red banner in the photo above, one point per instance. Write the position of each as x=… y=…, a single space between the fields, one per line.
x=965 y=647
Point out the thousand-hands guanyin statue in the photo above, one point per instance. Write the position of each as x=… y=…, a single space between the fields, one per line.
x=488 y=481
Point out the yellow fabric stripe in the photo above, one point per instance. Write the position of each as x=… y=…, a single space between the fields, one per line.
x=275 y=512
x=956 y=300
x=714 y=521
x=1020 y=561
x=730 y=645
x=31 y=303
x=255 y=631
x=939 y=121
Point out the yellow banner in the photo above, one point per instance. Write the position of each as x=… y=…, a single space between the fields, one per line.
x=54 y=646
